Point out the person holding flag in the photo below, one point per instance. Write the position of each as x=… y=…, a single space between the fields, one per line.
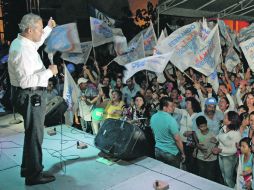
x=29 y=79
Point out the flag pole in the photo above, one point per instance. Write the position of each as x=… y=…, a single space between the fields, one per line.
x=188 y=76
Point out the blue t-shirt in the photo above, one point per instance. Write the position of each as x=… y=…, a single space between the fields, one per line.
x=165 y=127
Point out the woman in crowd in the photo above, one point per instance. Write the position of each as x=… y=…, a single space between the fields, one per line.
x=249 y=101
x=227 y=139
x=139 y=114
x=245 y=164
x=155 y=106
x=119 y=84
x=114 y=107
x=245 y=124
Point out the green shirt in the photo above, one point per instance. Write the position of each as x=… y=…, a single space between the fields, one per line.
x=165 y=127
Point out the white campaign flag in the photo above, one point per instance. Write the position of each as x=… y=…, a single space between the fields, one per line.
x=150 y=39
x=135 y=51
x=162 y=37
x=234 y=39
x=160 y=77
x=120 y=45
x=160 y=40
x=110 y=21
x=205 y=30
x=248 y=50
x=228 y=35
x=224 y=32
x=246 y=33
x=71 y=91
x=165 y=32
x=79 y=57
x=63 y=38
x=190 y=50
x=101 y=32
x=155 y=63
x=213 y=77
x=231 y=59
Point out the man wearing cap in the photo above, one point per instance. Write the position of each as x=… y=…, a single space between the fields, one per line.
x=84 y=109
x=29 y=79
x=88 y=97
x=213 y=116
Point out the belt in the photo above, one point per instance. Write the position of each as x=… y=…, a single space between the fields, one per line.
x=32 y=88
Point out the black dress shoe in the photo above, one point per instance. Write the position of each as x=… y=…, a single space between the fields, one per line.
x=23 y=173
x=40 y=179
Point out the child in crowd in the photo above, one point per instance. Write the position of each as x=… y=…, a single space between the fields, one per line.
x=244 y=171
x=206 y=161
x=245 y=124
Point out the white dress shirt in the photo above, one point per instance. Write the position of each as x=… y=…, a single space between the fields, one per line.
x=25 y=66
x=186 y=122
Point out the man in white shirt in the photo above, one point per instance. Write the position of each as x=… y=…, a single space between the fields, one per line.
x=29 y=79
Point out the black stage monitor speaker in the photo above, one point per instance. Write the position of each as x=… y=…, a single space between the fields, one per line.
x=121 y=140
x=55 y=111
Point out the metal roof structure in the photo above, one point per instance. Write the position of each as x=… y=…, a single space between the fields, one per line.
x=228 y=9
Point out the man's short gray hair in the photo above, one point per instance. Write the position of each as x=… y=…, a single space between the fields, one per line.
x=28 y=21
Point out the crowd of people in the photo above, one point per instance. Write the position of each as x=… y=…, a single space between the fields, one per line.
x=205 y=131
x=195 y=128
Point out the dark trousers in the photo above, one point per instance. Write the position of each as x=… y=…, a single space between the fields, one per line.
x=208 y=170
x=86 y=126
x=34 y=129
x=190 y=161
x=167 y=158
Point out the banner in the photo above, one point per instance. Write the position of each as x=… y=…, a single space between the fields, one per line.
x=135 y=51
x=71 y=91
x=64 y=38
x=190 y=50
x=248 y=50
x=79 y=57
x=155 y=63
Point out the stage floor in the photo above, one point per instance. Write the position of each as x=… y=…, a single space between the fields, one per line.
x=77 y=169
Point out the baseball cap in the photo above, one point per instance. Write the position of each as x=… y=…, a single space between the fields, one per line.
x=82 y=80
x=211 y=101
